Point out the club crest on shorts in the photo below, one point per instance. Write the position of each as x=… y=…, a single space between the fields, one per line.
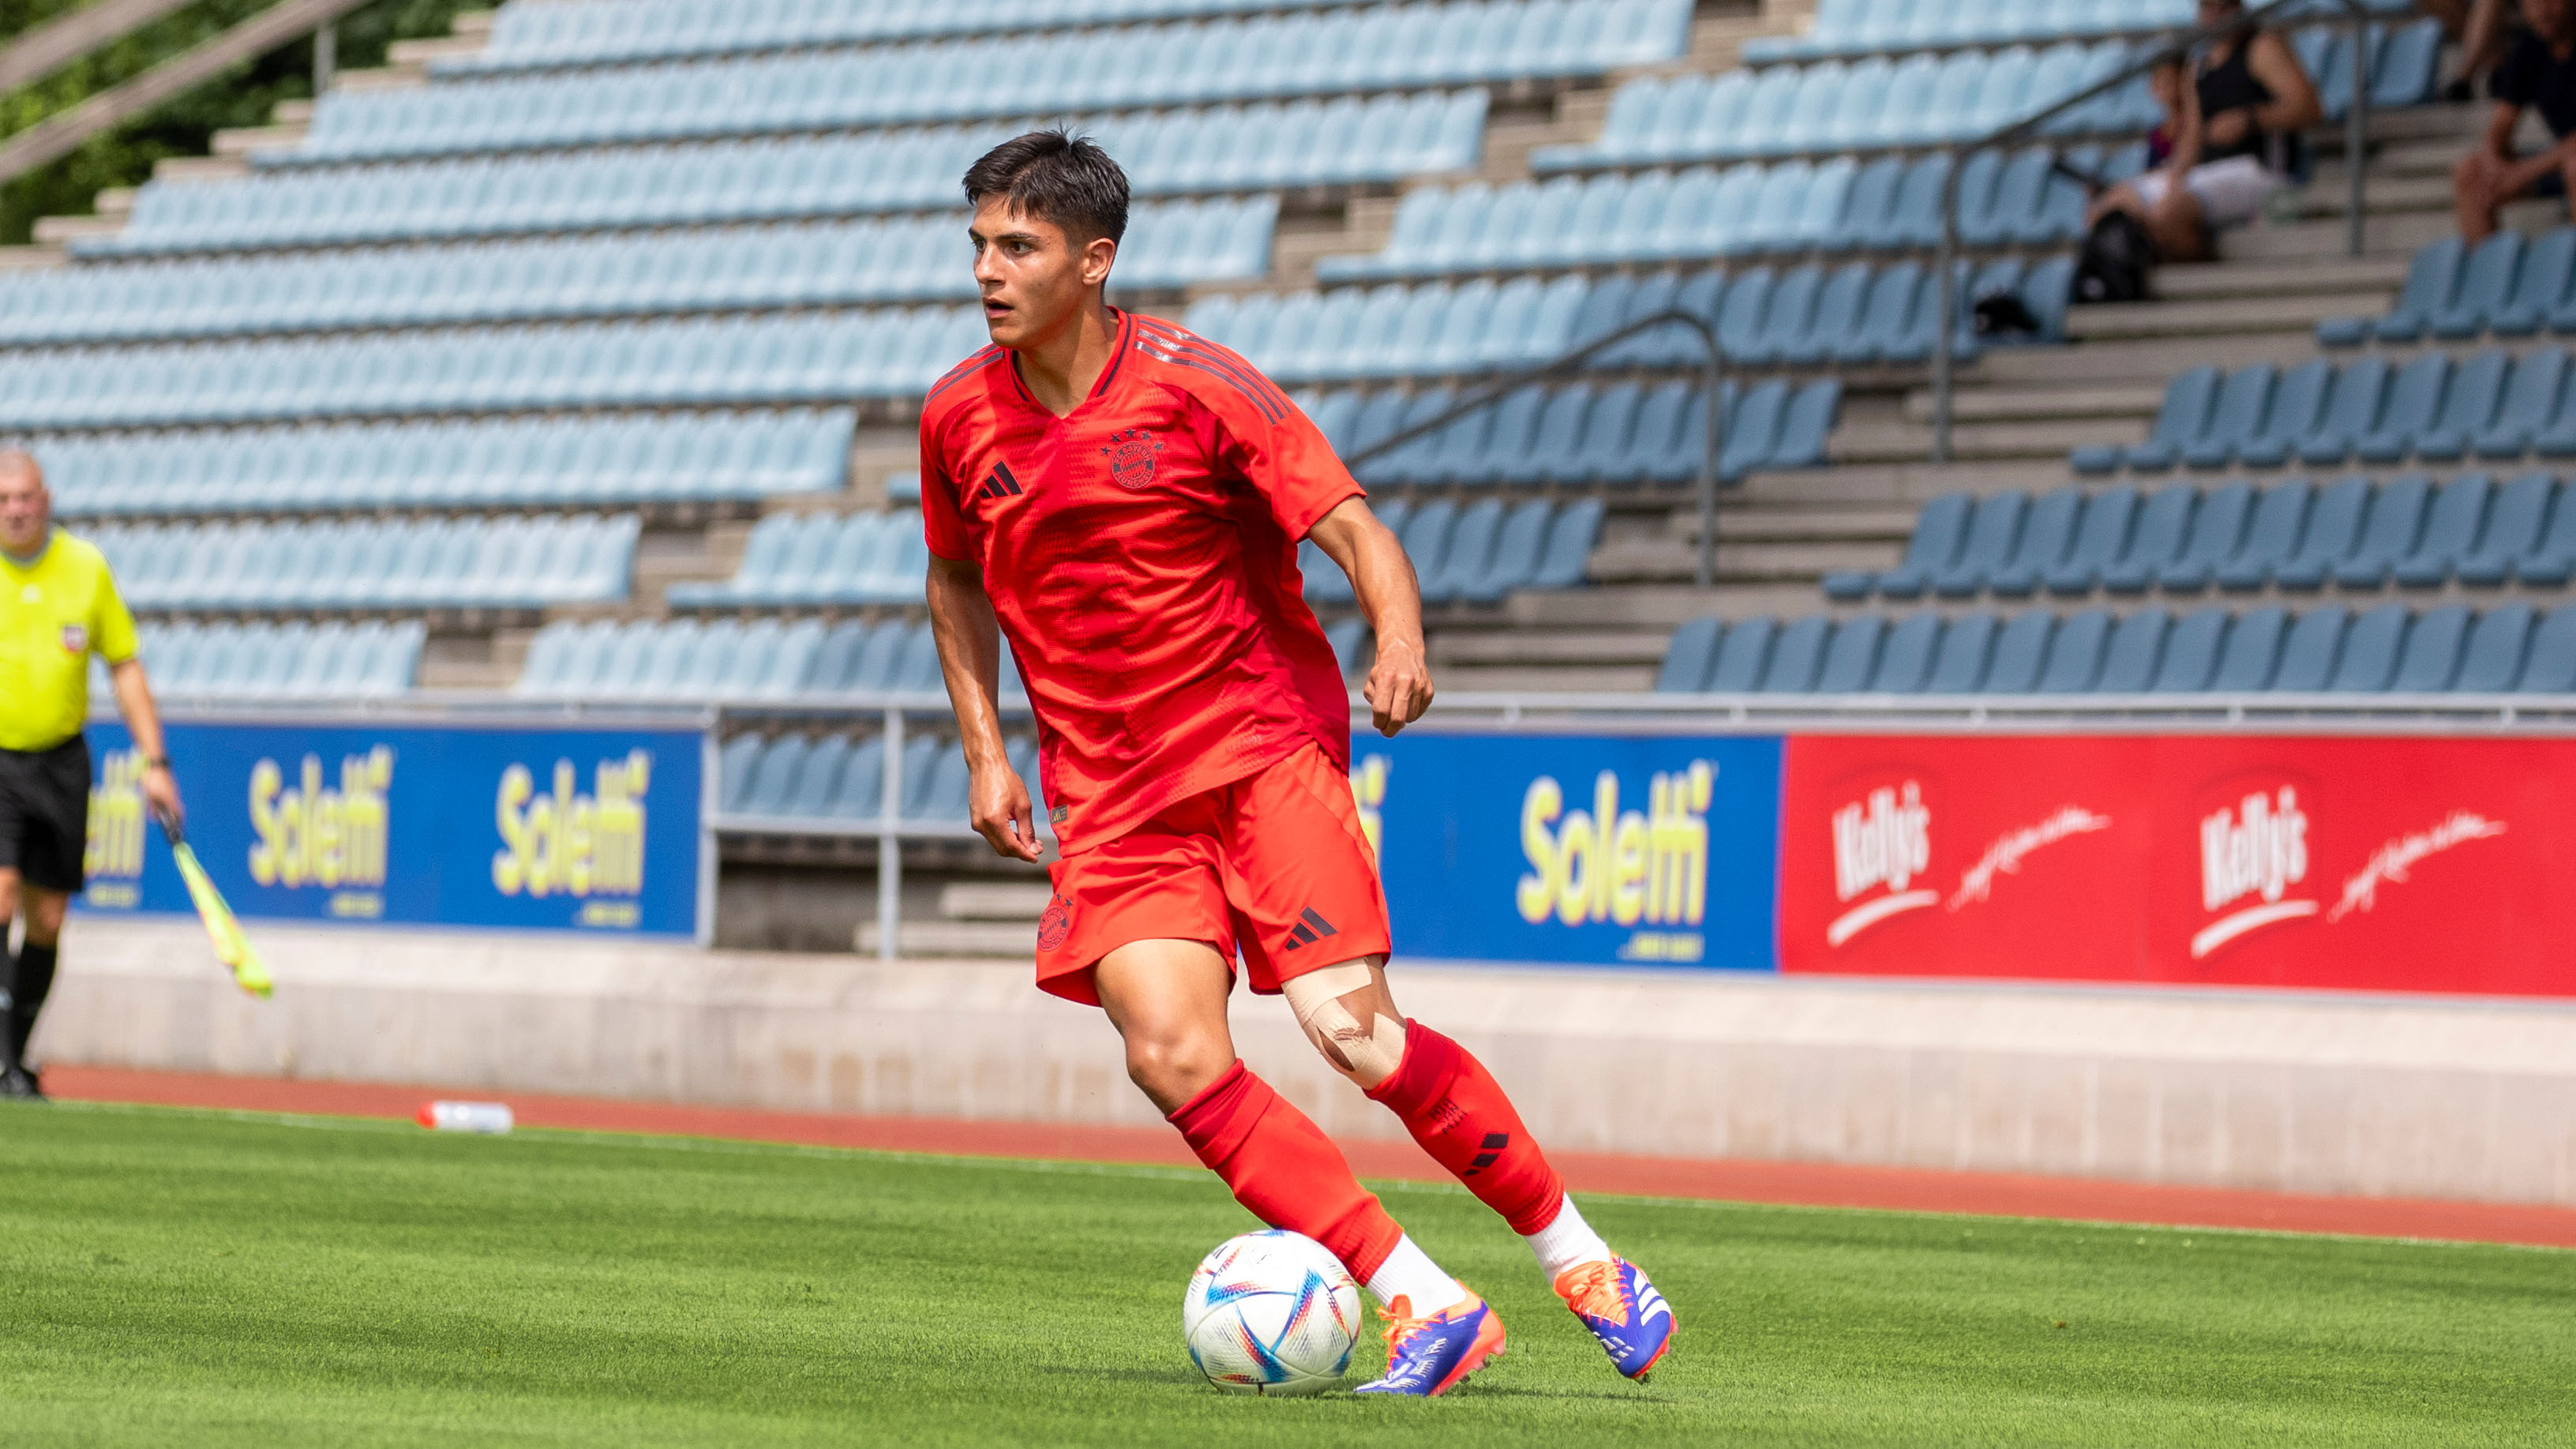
x=75 y=639
x=1056 y=924
x=1131 y=457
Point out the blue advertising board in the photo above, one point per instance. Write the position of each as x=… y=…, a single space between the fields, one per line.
x=1616 y=850
x=594 y=830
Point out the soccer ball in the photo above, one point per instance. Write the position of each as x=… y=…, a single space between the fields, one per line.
x=1271 y=1313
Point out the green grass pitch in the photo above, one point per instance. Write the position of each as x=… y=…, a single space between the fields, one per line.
x=177 y=1278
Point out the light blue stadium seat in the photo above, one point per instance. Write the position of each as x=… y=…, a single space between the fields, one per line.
x=2048 y=527
x=1796 y=655
x=2020 y=652
x=1939 y=531
x=2109 y=517
x=2252 y=652
x=1905 y=659
x=2235 y=416
x=2395 y=518
x=2075 y=649
x=1743 y=656
x=2351 y=411
x=2134 y=651
x=2450 y=530
x=2540 y=289
x=1688 y=656
x=2550 y=665
x=2528 y=406
x=2156 y=543
x=2491 y=661
x=1967 y=647
x=2511 y=533
x=2191 y=653
x=2367 y=660
x=1851 y=658
x=1990 y=540
x=2433 y=652
x=2182 y=418
x=2312 y=648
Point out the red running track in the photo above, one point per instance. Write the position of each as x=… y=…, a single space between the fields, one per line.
x=1806 y=1184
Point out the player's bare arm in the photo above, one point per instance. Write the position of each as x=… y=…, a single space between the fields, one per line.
x=143 y=722
x=1390 y=595
x=970 y=659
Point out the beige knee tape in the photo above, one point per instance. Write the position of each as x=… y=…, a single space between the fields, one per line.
x=1368 y=1052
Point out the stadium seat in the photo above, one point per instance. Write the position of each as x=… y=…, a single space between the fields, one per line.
x=1989 y=541
x=2433 y=651
x=1140 y=67
x=2333 y=529
x=2451 y=528
x=2512 y=532
x=2020 y=652
x=2191 y=653
x=2550 y=667
x=2156 y=541
x=1796 y=654
x=2394 y=517
x=2491 y=661
x=2130 y=656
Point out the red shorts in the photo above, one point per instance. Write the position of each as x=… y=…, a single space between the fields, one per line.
x=1274 y=866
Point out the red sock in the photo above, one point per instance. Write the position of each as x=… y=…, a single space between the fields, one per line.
x=1283 y=1167
x=1458 y=1112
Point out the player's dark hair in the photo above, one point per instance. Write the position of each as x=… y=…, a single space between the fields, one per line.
x=1058 y=177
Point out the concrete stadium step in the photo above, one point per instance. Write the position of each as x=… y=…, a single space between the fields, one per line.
x=994 y=900
x=2220 y=317
x=984 y=939
x=1545 y=679
x=1910 y=482
x=1654 y=606
x=2255 y=277
x=2383 y=233
x=1546 y=646
x=2040 y=404
x=2383 y=195
x=1895 y=442
x=1664 y=559
x=2138 y=360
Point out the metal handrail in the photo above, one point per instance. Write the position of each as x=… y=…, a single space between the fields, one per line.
x=2356 y=135
x=1713 y=445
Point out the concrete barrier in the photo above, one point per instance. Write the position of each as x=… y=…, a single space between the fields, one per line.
x=2413 y=1097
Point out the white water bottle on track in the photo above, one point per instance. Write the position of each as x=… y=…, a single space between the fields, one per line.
x=486 y=1117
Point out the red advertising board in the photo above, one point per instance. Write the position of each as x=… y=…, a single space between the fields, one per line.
x=2361 y=864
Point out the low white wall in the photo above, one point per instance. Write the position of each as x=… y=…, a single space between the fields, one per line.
x=2377 y=1096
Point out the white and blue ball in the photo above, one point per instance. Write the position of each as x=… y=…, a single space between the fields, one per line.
x=1271 y=1313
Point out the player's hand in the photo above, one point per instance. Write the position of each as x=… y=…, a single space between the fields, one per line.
x=1399 y=685
x=998 y=804
x=161 y=794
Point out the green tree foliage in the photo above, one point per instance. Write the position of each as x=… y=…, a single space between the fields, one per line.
x=242 y=96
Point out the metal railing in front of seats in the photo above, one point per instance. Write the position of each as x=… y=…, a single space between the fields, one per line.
x=2356 y=122
x=1713 y=444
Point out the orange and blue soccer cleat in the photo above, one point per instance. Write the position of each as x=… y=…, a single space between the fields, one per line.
x=1623 y=1310
x=1427 y=1357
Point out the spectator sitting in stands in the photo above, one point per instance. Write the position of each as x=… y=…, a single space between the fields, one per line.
x=2538 y=72
x=2247 y=100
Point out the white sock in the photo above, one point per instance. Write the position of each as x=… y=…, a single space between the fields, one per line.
x=1565 y=1242
x=1409 y=1273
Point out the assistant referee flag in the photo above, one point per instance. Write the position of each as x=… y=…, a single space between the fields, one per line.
x=53 y=615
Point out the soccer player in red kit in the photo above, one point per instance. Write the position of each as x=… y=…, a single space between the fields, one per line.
x=1124 y=500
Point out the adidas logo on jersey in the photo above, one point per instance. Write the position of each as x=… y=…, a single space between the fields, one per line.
x=1001 y=484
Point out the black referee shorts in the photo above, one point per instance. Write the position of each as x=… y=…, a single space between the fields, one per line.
x=44 y=814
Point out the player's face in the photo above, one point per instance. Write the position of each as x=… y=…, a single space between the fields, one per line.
x=25 y=512
x=1033 y=279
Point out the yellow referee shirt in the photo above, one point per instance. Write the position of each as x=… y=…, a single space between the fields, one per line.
x=53 y=616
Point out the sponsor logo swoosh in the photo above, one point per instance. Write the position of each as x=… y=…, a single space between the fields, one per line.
x=2227 y=928
x=1861 y=917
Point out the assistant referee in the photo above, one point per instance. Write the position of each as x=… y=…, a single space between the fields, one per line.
x=58 y=606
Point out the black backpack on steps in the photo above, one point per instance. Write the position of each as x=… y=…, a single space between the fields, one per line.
x=2117 y=260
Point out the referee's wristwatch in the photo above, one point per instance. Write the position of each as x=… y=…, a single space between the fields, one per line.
x=157 y=762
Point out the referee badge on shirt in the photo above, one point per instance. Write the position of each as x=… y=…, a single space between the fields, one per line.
x=1131 y=457
x=75 y=639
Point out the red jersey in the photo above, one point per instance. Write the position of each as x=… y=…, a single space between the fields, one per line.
x=1141 y=555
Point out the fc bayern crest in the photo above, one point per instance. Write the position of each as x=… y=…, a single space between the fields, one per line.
x=1131 y=457
x=1056 y=924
